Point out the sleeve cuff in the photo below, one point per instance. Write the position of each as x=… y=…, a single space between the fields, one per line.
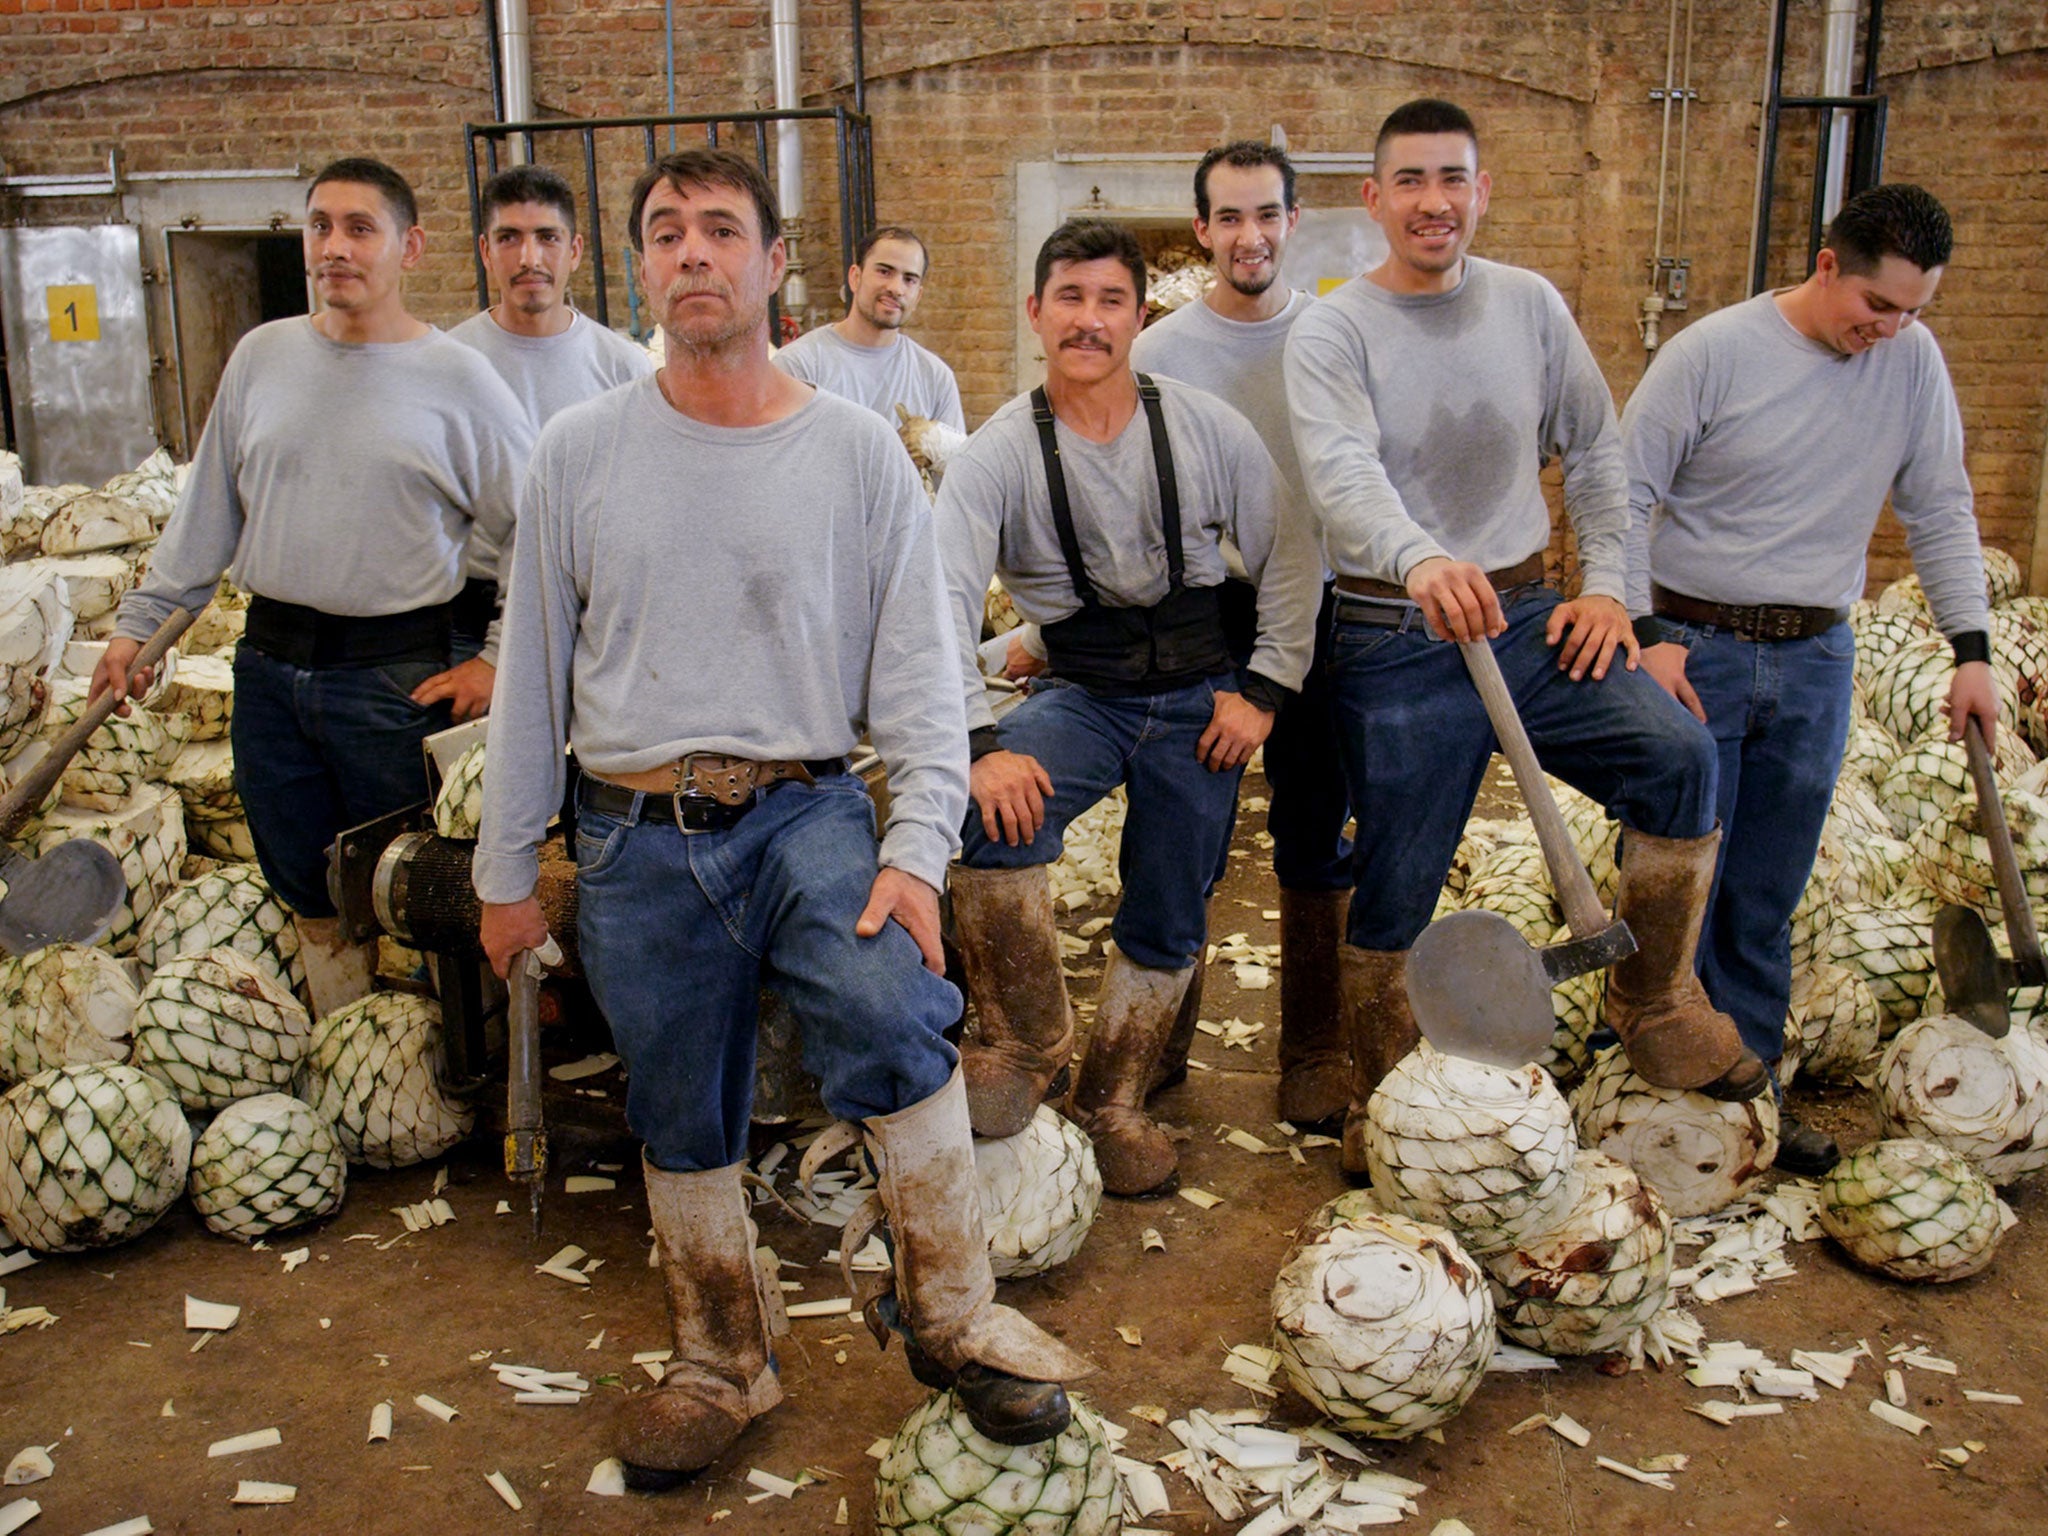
x=919 y=850
x=1650 y=631
x=1971 y=645
x=981 y=741
x=1261 y=690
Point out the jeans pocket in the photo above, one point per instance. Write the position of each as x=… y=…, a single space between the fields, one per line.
x=1838 y=643
x=1678 y=632
x=599 y=842
x=402 y=677
x=1351 y=644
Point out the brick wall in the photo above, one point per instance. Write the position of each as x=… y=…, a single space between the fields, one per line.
x=962 y=90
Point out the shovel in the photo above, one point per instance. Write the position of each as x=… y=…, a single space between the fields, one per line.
x=1975 y=979
x=1478 y=988
x=71 y=894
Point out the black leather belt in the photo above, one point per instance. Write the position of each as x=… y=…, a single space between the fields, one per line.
x=1750 y=621
x=307 y=637
x=690 y=811
x=1521 y=574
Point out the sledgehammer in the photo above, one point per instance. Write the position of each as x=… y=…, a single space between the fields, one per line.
x=1478 y=988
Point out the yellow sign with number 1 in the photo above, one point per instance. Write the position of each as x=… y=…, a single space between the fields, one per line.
x=74 y=312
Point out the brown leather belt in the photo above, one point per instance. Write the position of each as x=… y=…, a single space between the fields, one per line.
x=728 y=780
x=1750 y=621
x=1521 y=574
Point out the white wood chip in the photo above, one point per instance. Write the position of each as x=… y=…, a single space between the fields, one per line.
x=1912 y=1424
x=607 y=1479
x=1130 y=1335
x=380 y=1424
x=31 y=1464
x=1335 y=1444
x=212 y=1315
x=654 y=1372
x=1623 y=1469
x=1565 y=1427
x=1149 y=1241
x=443 y=1213
x=255 y=1440
x=1921 y=1360
x=504 y=1208
x=1247 y=1142
x=769 y=1483
x=139 y=1526
x=435 y=1406
x=247 y=1492
x=587 y=1184
x=1954 y=1455
x=838 y=1306
x=546 y=1396
x=1534 y=1421
x=1202 y=1200
x=879 y=1449
x=654 y=1357
x=2010 y=1399
x=503 y=1489
x=839 y=1517
x=1895 y=1388
x=589 y=1066
x=1450 y=1528
x=295 y=1258
x=20 y=1259
x=15 y=1515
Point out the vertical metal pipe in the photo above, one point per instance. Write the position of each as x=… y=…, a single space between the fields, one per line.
x=668 y=23
x=489 y=11
x=1664 y=141
x=516 y=54
x=476 y=217
x=786 y=40
x=1838 y=60
x=860 y=63
x=1684 y=123
x=1818 y=211
x=596 y=225
x=1767 y=151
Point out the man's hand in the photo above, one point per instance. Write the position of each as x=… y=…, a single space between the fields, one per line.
x=1972 y=695
x=506 y=930
x=1010 y=788
x=1456 y=598
x=468 y=684
x=1591 y=628
x=1019 y=663
x=913 y=904
x=111 y=675
x=1666 y=663
x=1236 y=728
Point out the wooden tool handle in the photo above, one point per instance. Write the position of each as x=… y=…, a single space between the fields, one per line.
x=2012 y=886
x=21 y=800
x=1575 y=892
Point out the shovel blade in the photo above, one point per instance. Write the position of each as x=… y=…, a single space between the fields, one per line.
x=70 y=895
x=1479 y=990
x=1976 y=983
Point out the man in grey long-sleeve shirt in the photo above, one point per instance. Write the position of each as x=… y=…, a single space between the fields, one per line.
x=1426 y=396
x=724 y=576
x=346 y=460
x=1231 y=342
x=550 y=356
x=1761 y=446
x=1102 y=501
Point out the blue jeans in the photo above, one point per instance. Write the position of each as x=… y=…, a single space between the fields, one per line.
x=1310 y=802
x=1779 y=713
x=1179 y=817
x=320 y=750
x=1415 y=740
x=679 y=930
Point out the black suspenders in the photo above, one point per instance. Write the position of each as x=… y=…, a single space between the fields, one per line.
x=1062 y=509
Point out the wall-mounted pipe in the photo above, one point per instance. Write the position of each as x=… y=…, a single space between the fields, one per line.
x=515 y=51
x=786 y=41
x=1838 y=61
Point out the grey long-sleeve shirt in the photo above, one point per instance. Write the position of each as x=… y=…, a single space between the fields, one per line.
x=548 y=374
x=1424 y=420
x=343 y=477
x=880 y=378
x=1759 y=460
x=995 y=517
x=761 y=591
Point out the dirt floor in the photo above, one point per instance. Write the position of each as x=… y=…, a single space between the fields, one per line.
x=131 y=1408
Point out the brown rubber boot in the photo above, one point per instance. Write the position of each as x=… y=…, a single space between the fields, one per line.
x=1134 y=1014
x=723 y=1372
x=1674 y=1036
x=1024 y=1030
x=1172 y=1068
x=1315 y=1059
x=1005 y=1368
x=1373 y=985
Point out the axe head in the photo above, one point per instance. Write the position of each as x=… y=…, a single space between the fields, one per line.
x=1480 y=990
x=1595 y=952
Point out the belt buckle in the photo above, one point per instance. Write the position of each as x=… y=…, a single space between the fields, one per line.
x=697 y=812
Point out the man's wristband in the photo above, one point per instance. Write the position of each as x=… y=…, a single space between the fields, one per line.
x=981 y=741
x=1649 y=631
x=1971 y=645
x=1259 y=689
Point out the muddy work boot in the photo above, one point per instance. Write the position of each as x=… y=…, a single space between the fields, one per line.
x=1004 y=1368
x=1133 y=1017
x=722 y=1375
x=1171 y=1070
x=1024 y=1030
x=1673 y=1035
x=1315 y=1059
x=1372 y=987
x=1804 y=1151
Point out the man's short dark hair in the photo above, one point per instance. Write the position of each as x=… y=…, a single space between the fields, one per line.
x=528 y=184
x=708 y=168
x=1089 y=240
x=395 y=189
x=1245 y=155
x=881 y=232
x=1426 y=114
x=1895 y=220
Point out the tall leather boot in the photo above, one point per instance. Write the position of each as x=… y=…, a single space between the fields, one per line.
x=1373 y=987
x=1004 y=1368
x=1171 y=1069
x=1674 y=1036
x=1315 y=1059
x=337 y=972
x=1024 y=1031
x=1134 y=1014
x=722 y=1375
